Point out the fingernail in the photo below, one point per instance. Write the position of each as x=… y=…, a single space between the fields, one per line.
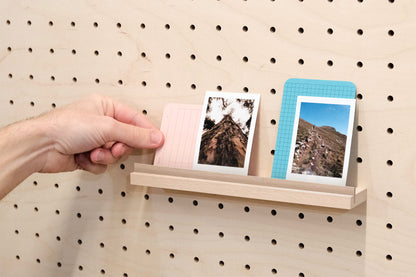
x=99 y=156
x=156 y=137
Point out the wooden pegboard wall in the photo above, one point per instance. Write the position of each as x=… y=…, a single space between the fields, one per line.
x=151 y=53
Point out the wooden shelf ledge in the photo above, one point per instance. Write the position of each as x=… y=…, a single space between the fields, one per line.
x=252 y=187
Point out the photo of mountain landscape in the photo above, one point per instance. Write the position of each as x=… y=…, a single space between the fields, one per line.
x=321 y=139
x=226 y=131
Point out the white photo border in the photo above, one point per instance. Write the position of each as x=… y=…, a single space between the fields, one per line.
x=314 y=178
x=227 y=169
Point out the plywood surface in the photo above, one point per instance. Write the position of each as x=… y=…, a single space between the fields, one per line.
x=150 y=53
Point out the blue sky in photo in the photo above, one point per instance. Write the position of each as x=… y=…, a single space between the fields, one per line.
x=334 y=115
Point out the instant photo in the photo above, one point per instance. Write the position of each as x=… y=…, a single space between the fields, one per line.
x=321 y=140
x=226 y=132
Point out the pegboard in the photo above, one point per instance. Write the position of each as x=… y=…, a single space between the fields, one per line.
x=150 y=53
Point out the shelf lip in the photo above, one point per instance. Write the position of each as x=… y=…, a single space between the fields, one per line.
x=252 y=187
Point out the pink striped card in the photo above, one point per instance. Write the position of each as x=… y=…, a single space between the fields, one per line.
x=180 y=124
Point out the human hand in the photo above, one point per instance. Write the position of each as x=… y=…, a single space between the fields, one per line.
x=94 y=132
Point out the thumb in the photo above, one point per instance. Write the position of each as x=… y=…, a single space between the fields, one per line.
x=136 y=137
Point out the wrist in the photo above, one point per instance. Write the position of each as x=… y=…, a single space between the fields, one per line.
x=24 y=146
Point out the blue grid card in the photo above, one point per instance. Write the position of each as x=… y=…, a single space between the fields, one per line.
x=292 y=89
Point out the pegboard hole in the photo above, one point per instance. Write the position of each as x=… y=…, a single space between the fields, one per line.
x=195 y=203
x=390 y=65
x=122 y=166
x=31 y=77
x=330 y=63
x=171 y=228
x=56 y=185
x=389 y=194
x=391 y=33
x=390 y=98
x=389 y=257
x=16 y=206
x=219 y=88
x=9 y=49
x=358 y=253
x=102 y=271
x=146 y=197
x=221 y=263
x=30 y=50
x=119 y=53
x=11 y=102
x=245 y=28
x=32 y=103
x=72 y=24
x=97 y=81
x=73 y=51
x=142 y=25
x=359 y=64
x=196 y=231
x=389 y=226
x=79 y=215
x=245 y=59
x=329 y=219
x=221 y=234
x=301 y=215
x=125 y=275
x=50 y=23
x=272 y=60
x=8 y=22
x=29 y=22
x=193 y=86
x=96 y=52
x=167 y=56
x=168 y=85
x=359 y=96
x=17 y=257
x=247 y=266
x=100 y=191
x=38 y=261
x=218 y=27
x=52 y=78
x=301 y=274
x=143 y=54
x=196 y=259
x=16 y=232
x=358 y=222
x=220 y=206
x=274 y=271
x=273 y=29
x=219 y=58
x=79 y=242
x=148 y=252
x=247 y=209
x=58 y=264
x=245 y=89
x=58 y=238
x=272 y=91
x=74 y=79
x=57 y=212
x=51 y=51
x=272 y=152
x=144 y=83
x=359 y=128
x=301 y=245
x=389 y=162
x=124 y=221
x=78 y=188
x=360 y=32
x=80 y=268
x=101 y=218
x=330 y=31
x=247 y=238
x=359 y=160
x=273 y=242
x=329 y=249
x=147 y=224
x=172 y=256
x=273 y=212
x=10 y=75
x=118 y=25
x=36 y=209
x=95 y=24
x=193 y=57
x=53 y=105
x=192 y=27
x=301 y=61
x=102 y=245
x=124 y=248
x=301 y=30
x=167 y=26
x=389 y=130
x=170 y=200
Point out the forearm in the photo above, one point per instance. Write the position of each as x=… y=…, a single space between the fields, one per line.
x=24 y=146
